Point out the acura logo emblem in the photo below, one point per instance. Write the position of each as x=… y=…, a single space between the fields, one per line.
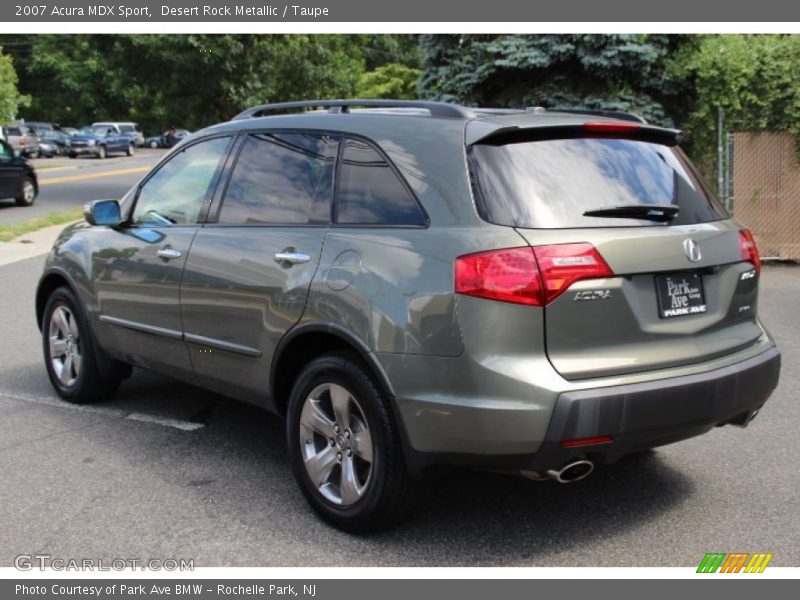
x=692 y=250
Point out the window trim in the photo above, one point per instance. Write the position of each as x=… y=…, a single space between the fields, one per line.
x=215 y=209
x=334 y=206
x=215 y=179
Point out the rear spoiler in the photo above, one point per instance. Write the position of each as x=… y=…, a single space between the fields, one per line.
x=597 y=128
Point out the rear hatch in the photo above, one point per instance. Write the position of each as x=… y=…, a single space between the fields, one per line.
x=642 y=267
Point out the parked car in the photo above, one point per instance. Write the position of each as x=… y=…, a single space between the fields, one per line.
x=167 y=139
x=416 y=285
x=54 y=142
x=17 y=177
x=126 y=128
x=70 y=131
x=23 y=139
x=100 y=141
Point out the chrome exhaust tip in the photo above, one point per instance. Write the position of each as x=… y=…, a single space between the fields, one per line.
x=572 y=472
x=569 y=473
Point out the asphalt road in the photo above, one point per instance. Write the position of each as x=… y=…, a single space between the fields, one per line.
x=66 y=183
x=121 y=480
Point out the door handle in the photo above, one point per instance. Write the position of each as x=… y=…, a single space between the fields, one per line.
x=169 y=253
x=294 y=258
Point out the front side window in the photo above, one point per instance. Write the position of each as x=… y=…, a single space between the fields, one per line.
x=175 y=194
x=280 y=179
x=6 y=153
x=369 y=191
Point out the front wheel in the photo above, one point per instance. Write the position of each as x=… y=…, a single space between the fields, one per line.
x=79 y=371
x=131 y=150
x=154 y=144
x=344 y=446
x=27 y=193
x=101 y=152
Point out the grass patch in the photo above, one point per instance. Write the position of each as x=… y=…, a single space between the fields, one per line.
x=11 y=232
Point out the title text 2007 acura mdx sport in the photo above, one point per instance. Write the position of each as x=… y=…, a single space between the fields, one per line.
x=419 y=284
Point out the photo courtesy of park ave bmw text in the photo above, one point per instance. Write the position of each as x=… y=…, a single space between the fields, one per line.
x=342 y=299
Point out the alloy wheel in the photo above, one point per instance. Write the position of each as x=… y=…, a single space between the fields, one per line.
x=64 y=346
x=336 y=444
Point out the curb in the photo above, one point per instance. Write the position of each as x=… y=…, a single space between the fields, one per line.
x=30 y=245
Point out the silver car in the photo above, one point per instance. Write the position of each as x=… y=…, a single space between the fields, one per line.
x=416 y=285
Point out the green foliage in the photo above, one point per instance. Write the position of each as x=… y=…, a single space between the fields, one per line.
x=182 y=80
x=611 y=72
x=10 y=98
x=389 y=81
x=754 y=78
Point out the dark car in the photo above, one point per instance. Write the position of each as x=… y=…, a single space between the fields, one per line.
x=416 y=286
x=17 y=177
x=168 y=139
x=53 y=142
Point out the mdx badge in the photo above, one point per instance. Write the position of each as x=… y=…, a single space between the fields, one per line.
x=589 y=295
x=692 y=250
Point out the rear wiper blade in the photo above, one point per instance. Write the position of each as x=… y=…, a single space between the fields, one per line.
x=652 y=212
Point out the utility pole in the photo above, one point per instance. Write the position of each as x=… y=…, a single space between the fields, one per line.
x=720 y=153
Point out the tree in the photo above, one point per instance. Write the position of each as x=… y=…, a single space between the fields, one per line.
x=754 y=78
x=389 y=81
x=612 y=72
x=10 y=98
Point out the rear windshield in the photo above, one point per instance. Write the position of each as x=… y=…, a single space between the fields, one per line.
x=550 y=184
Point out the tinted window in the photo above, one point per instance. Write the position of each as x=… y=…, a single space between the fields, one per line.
x=370 y=192
x=550 y=184
x=174 y=195
x=13 y=131
x=126 y=128
x=280 y=179
x=6 y=153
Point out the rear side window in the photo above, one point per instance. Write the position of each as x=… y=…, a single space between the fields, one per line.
x=13 y=131
x=127 y=128
x=370 y=192
x=280 y=179
x=550 y=184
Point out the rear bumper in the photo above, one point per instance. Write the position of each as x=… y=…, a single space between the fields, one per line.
x=637 y=416
x=646 y=415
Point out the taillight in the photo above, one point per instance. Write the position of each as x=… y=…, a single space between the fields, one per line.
x=610 y=127
x=534 y=276
x=748 y=251
x=564 y=264
x=508 y=275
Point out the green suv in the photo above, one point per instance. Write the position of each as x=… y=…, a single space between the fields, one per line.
x=416 y=285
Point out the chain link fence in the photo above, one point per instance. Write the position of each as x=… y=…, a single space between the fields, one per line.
x=761 y=184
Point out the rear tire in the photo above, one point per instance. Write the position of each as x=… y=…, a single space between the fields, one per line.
x=154 y=144
x=27 y=193
x=344 y=446
x=131 y=150
x=79 y=370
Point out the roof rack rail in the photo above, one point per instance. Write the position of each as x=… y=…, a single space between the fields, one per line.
x=436 y=109
x=611 y=114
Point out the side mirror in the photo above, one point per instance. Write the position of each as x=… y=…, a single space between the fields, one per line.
x=102 y=212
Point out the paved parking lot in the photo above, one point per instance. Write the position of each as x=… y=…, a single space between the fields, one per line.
x=165 y=470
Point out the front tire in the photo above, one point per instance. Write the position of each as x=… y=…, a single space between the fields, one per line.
x=79 y=371
x=344 y=445
x=154 y=144
x=101 y=152
x=27 y=193
x=131 y=150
